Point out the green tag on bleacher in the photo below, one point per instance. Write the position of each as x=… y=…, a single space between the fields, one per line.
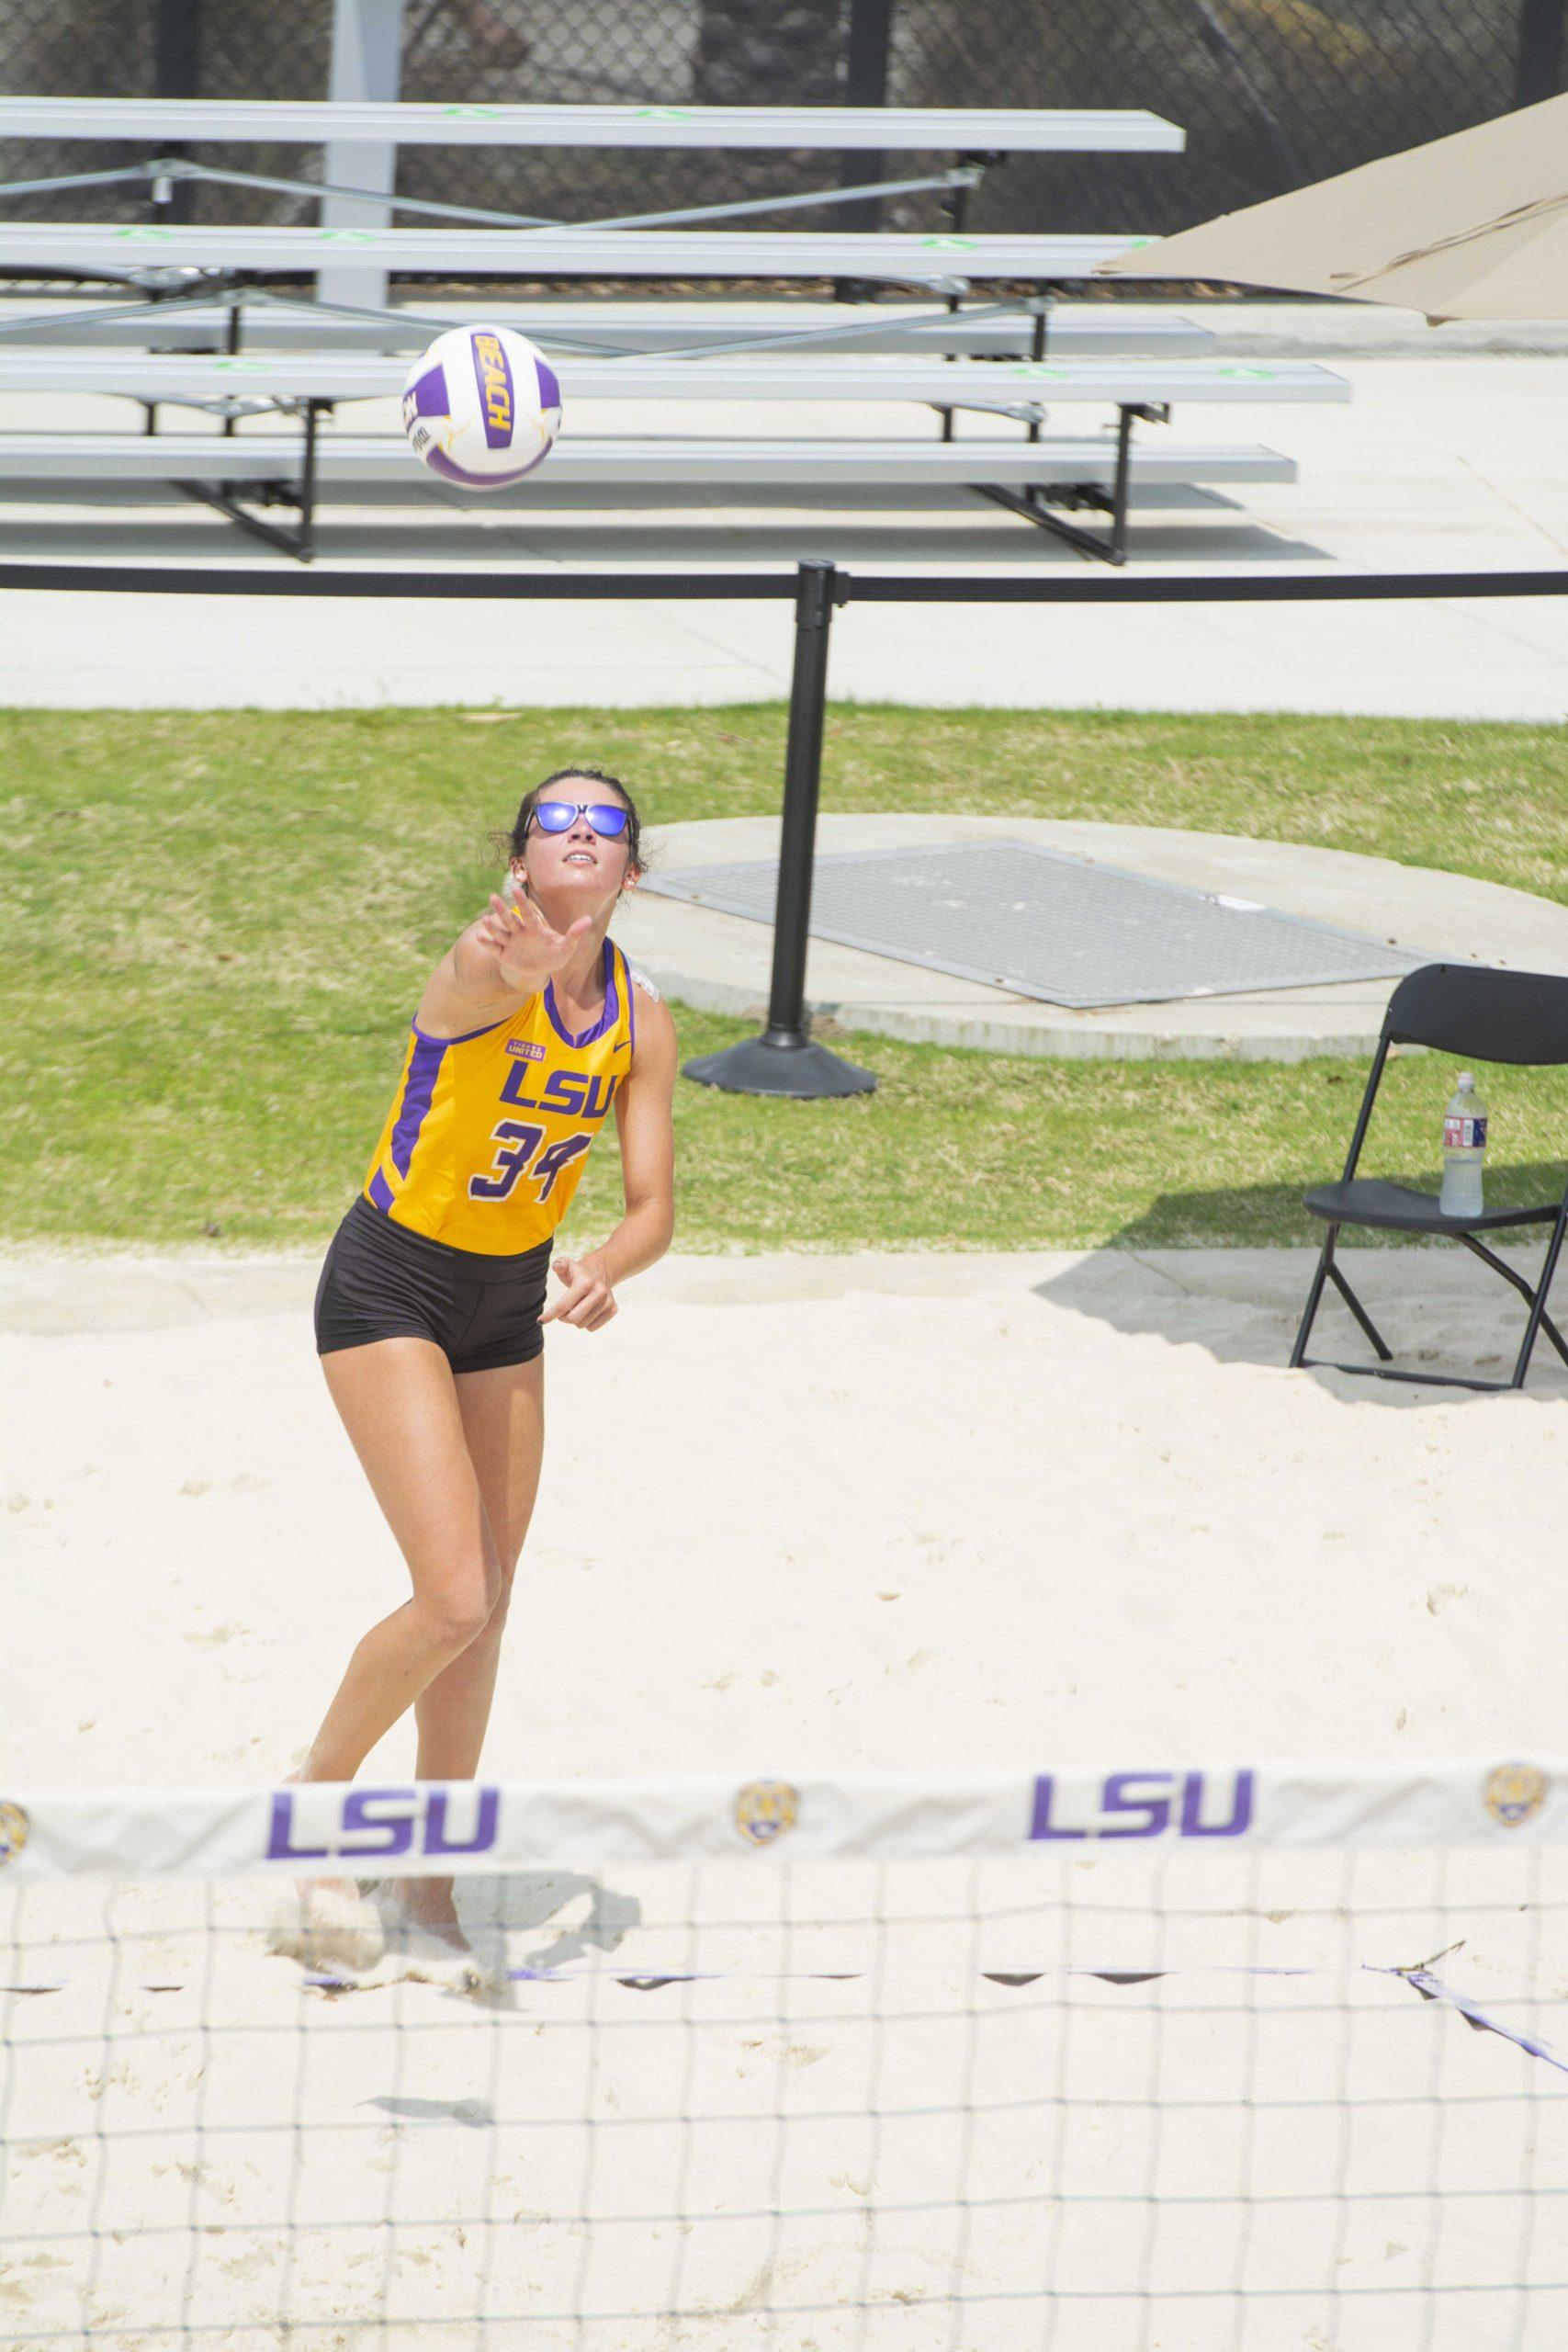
x=949 y=244
x=146 y=236
x=471 y=114
x=1259 y=375
x=346 y=236
x=664 y=114
x=1037 y=368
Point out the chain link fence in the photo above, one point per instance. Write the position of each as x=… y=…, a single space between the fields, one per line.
x=1272 y=93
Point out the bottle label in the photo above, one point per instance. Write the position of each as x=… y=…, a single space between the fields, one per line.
x=1463 y=1132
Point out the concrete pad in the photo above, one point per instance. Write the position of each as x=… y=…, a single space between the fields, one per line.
x=1450 y=456
x=721 y=963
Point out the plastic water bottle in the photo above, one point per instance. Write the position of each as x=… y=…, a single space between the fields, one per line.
x=1464 y=1146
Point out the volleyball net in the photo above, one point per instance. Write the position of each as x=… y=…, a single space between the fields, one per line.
x=1272 y=2060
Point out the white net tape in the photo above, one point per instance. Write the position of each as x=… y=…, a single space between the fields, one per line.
x=1157 y=2063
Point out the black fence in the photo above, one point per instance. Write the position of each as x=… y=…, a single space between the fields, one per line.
x=1272 y=93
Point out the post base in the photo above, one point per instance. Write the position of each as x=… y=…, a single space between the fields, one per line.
x=780 y=1061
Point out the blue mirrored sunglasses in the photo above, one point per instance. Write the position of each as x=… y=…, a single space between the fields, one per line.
x=607 y=818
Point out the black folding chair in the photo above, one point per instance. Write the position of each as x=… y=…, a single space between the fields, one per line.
x=1479 y=1014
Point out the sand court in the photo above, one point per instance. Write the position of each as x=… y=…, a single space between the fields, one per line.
x=844 y=1512
x=805 y=1515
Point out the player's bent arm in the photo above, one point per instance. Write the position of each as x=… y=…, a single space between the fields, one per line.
x=644 y=1113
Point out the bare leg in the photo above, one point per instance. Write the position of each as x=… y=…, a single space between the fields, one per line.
x=503 y=1425
x=503 y=1428
x=399 y=1403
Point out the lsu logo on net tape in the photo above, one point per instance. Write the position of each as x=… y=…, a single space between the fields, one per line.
x=1514 y=1794
x=765 y=1810
x=14 y=1828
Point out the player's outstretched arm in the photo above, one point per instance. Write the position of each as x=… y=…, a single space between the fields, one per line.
x=503 y=958
x=522 y=945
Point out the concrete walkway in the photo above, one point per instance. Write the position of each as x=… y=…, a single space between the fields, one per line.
x=1449 y=456
x=721 y=962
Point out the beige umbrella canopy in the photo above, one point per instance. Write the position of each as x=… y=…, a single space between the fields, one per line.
x=1475 y=226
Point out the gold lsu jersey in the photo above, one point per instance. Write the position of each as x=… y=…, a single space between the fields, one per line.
x=484 y=1144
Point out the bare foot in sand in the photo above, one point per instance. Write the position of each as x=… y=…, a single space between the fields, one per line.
x=334 y=1926
x=427 y=1903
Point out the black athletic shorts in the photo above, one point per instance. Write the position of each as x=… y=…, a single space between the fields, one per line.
x=380 y=1279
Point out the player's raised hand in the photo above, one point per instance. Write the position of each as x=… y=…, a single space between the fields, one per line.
x=528 y=949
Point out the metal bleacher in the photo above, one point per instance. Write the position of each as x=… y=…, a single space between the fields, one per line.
x=191 y=304
x=1034 y=474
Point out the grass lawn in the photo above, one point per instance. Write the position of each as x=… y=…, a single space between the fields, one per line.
x=214 y=928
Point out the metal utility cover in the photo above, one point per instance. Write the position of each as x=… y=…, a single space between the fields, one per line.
x=1041 y=924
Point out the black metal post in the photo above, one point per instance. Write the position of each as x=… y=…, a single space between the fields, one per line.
x=1539 y=59
x=784 y=1060
x=866 y=85
x=232 y=334
x=313 y=412
x=1037 y=351
x=176 y=74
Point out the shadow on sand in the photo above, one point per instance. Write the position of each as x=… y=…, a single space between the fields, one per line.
x=1440 y=1309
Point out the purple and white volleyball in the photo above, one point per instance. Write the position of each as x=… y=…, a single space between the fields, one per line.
x=481 y=407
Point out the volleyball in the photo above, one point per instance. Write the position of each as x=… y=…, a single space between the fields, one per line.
x=481 y=407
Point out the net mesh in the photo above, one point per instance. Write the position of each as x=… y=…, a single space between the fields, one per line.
x=1176 y=2093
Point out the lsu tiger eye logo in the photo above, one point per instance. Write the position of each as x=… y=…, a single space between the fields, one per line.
x=764 y=1810
x=495 y=379
x=13 y=1827
x=1514 y=1793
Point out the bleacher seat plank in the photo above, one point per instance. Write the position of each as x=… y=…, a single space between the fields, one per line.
x=1118 y=329
x=611 y=461
x=413 y=123
x=80 y=247
x=1002 y=383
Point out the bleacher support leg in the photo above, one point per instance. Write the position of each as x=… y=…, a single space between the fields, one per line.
x=308 y=484
x=956 y=207
x=1035 y=503
x=954 y=304
x=300 y=543
x=784 y=1060
x=1037 y=353
x=1118 y=549
x=869 y=41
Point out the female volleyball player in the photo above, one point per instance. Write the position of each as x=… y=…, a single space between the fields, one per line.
x=431 y=1299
